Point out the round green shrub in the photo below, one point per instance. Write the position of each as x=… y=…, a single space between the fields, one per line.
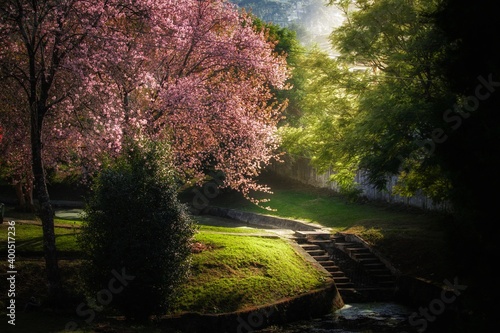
x=137 y=235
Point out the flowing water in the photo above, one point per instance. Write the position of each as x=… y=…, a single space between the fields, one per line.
x=375 y=317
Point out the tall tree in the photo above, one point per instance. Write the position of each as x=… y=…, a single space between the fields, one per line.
x=42 y=53
x=384 y=96
x=329 y=109
x=425 y=112
x=211 y=87
x=15 y=168
x=288 y=45
x=91 y=75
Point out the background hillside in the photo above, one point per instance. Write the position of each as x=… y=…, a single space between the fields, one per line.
x=311 y=19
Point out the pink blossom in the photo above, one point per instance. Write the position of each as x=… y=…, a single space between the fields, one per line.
x=192 y=72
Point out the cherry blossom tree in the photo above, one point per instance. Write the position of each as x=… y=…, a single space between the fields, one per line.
x=44 y=56
x=78 y=78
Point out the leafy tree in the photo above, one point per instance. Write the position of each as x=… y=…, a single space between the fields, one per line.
x=43 y=45
x=135 y=224
x=383 y=97
x=86 y=76
x=413 y=118
x=15 y=168
x=329 y=113
x=400 y=110
x=288 y=45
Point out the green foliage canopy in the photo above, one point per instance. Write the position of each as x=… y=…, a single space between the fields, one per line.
x=377 y=105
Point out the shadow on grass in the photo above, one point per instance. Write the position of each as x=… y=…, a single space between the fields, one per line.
x=65 y=243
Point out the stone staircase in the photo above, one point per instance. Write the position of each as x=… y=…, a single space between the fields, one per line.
x=359 y=274
x=319 y=245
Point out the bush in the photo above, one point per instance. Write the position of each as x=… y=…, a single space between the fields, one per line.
x=136 y=228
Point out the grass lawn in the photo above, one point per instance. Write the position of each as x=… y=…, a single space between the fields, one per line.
x=29 y=239
x=234 y=270
x=416 y=241
x=238 y=270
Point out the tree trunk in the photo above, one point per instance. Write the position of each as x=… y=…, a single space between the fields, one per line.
x=24 y=193
x=28 y=194
x=21 y=199
x=45 y=211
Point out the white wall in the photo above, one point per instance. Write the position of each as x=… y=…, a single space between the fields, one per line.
x=298 y=168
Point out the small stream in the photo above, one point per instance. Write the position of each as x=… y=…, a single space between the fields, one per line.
x=375 y=317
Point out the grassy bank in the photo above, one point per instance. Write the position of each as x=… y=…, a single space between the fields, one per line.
x=417 y=242
x=238 y=272
x=231 y=270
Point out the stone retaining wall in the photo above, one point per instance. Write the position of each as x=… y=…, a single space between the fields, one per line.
x=439 y=308
x=310 y=305
x=386 y=262
x=261 y=220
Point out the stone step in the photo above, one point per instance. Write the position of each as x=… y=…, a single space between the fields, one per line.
x=341 y=279
x=358 y=249
x=337 y=273
x=350 y=247
x=355 y=249
x=321 y=242
x=363 y=255
x=322 y=257
x=355 y=245
x=308 y=246
x=368 y=261
x=328 y=263
x=301 y=241
x=313 y=234
x=331 y=268
x=316 y=253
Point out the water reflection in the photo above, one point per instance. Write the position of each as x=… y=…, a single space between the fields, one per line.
x=377 y=317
